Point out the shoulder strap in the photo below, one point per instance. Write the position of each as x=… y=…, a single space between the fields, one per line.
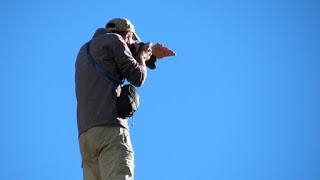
x=100 y=69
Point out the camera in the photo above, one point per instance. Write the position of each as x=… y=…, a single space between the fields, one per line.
x=135 y=48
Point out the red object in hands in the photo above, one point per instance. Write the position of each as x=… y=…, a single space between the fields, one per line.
x=161 y=51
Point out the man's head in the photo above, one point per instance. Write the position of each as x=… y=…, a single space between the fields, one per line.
x=123 y=27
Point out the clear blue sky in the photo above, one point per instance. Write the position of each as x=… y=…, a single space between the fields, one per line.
x=240 y=101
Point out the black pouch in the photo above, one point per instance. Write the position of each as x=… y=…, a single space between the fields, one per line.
x=128 y=101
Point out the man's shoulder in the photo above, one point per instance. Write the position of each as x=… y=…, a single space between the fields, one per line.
x=113 y=35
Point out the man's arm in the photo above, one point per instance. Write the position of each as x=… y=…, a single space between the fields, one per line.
x=134 y=70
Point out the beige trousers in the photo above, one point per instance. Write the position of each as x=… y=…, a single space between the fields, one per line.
x=107 y=154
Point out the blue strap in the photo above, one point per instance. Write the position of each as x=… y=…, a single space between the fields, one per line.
x=100 y=69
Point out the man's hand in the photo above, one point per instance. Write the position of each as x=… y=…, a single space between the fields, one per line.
x=160 y=51
x=145 y=52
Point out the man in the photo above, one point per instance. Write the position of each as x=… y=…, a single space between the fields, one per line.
x=104 y=138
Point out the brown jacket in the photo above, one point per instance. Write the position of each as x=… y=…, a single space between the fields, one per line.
x=96 y=94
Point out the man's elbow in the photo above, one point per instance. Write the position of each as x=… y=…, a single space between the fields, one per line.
x=137 y=79
x=138 y=83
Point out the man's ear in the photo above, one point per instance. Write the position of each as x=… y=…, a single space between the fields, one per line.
x=129 y=38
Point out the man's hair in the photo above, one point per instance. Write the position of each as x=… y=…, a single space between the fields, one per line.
x=112 y=25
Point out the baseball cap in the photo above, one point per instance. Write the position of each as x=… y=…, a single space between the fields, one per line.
x=122 y=24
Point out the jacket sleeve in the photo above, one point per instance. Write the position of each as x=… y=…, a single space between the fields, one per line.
x=129 y=67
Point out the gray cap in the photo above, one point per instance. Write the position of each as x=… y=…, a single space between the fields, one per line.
x=122 y=24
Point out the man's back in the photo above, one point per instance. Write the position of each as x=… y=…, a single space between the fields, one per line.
x=96 y=94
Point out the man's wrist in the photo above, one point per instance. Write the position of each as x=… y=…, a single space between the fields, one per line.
x=141 y=61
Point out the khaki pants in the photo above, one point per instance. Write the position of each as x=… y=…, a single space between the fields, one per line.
x=107 y=154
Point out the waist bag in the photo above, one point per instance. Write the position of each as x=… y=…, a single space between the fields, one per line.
x=129 y=99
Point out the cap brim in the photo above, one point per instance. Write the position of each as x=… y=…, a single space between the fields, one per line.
x=135 y=37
